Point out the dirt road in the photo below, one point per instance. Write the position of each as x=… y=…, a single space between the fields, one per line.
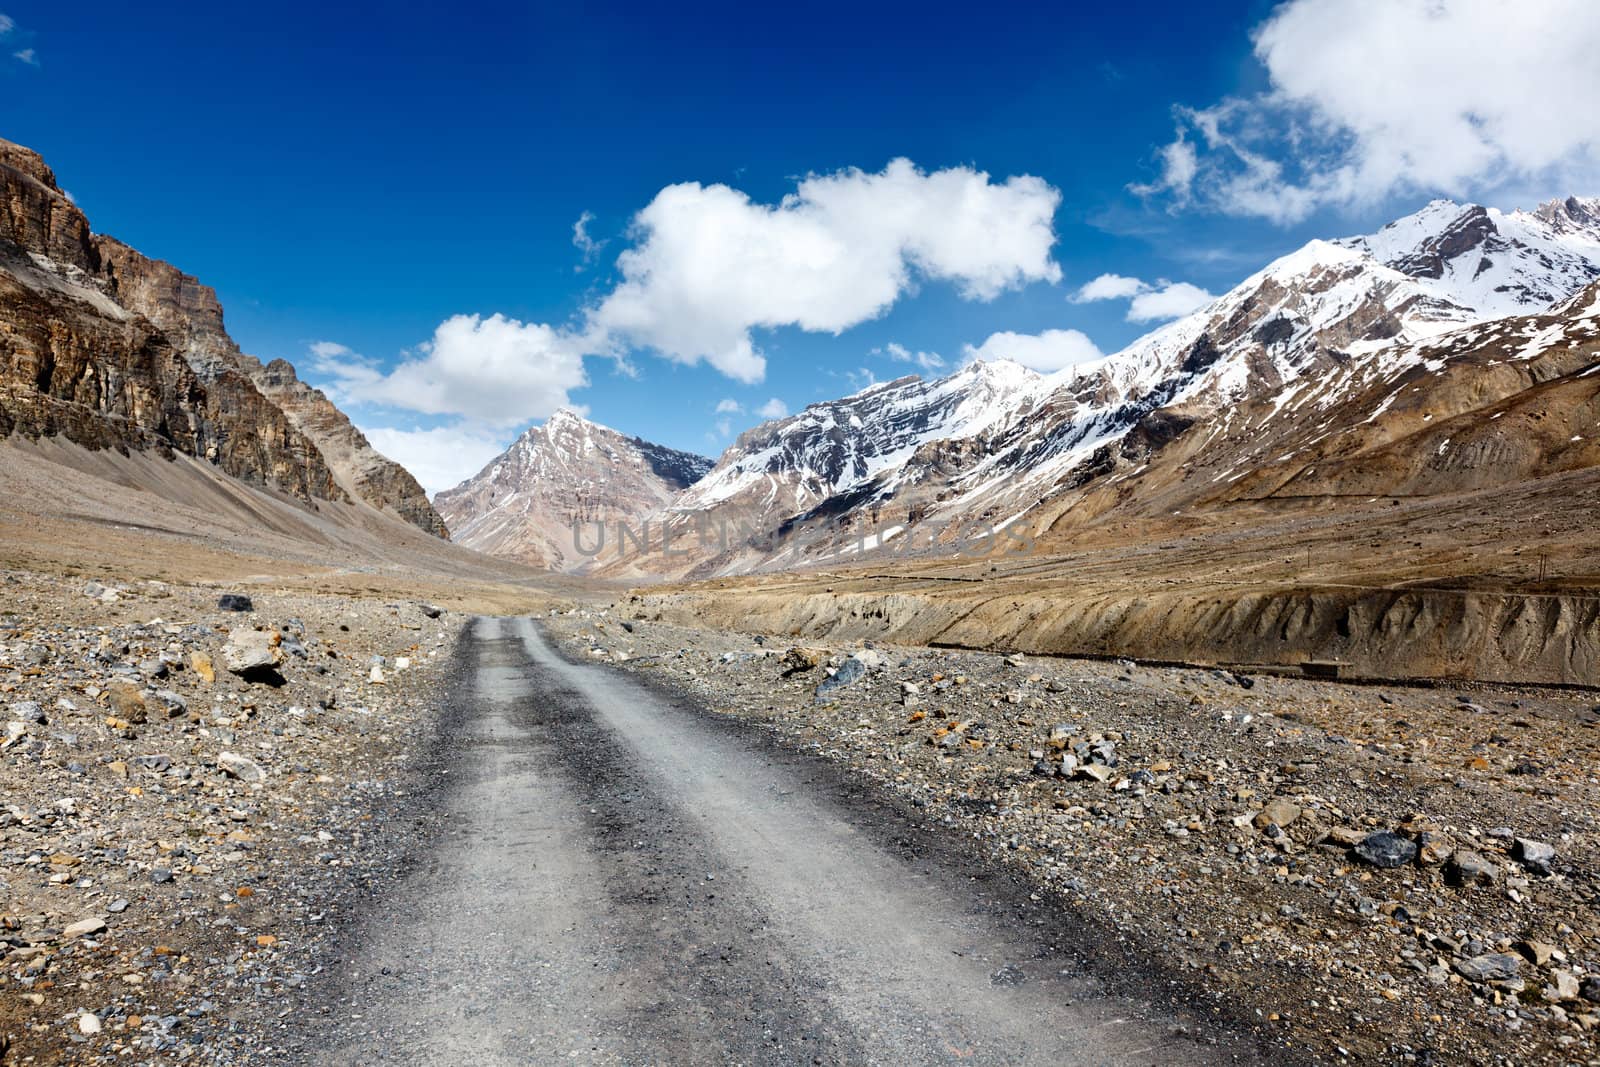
x=624 y=879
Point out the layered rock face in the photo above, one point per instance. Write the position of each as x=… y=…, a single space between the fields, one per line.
x=567 y=473
x=360 y=470
x=109 y=348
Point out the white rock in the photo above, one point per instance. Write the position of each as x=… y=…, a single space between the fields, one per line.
x=88 y=1023
x=83 y=928
x=237 y=766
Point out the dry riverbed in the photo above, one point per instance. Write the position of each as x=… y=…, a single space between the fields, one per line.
x=1369 y=874
x=185 y=793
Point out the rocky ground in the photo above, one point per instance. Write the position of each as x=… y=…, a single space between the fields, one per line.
x=186 y=793
x=1372 y=874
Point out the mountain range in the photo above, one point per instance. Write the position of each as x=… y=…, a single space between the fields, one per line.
x=1332 y=343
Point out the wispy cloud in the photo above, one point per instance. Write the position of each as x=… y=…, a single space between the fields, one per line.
x=927 y=361
x=586 y=245
x=773 y=409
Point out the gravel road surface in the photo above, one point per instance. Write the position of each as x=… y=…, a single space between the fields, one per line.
x=621 y=878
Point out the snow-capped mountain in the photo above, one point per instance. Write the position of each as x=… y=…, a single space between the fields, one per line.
x=990 y=454
x=567 y=470
x=838 y=446
x=1324 y=307
x=914 y=465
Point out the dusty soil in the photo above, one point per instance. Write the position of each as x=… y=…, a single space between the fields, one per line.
x=1211 y=819
x=172 y=835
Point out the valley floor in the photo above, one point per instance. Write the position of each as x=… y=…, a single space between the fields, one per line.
x=666 y=840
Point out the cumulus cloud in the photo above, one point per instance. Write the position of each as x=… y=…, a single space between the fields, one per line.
x=1049 y=351
x=1453 y=96
x=1108 y=287
x=773 y=409
x=927 y=361
x=729 y=406
x=1146 y=302
x=1172 y=301
x=709 y=266
x=441 y=457
x=494 y=371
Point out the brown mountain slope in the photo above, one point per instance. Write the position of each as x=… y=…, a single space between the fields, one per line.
x=110 y=348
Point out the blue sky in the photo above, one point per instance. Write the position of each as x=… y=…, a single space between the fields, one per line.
x=355 y=180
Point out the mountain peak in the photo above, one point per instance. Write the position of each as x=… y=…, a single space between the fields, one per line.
x=565 y=470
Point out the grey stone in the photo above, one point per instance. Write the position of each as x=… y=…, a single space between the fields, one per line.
x=1534 y=855
x=28 y=711
x=1468 y=868
x=1490 y=967
x=1386 y=849
x=849 y=672
x=235 y=602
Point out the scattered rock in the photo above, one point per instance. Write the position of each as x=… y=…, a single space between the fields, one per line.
x=1386 y=849
x=1468 y=868
x=1536 y=856
x=1281 y=813
x=83 y=928
x=237 y=766
x=235 y=602
x=1490 y=967
x=849 y=672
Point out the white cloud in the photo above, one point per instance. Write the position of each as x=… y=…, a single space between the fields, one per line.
x=1173 y=301
x=927 y=361
x=729 y=406
x=1147 y=302
x=773 y=409
x=495 y=371
x=709 y=266
x=27 y=56
x=1109 y=287
x=724 y=427
x=442 y=457
x=1370 y=98
x=586 y=245
x=1049 y=351
x=7 y=24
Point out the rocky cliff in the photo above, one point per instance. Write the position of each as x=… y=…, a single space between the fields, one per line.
x=110 y=348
